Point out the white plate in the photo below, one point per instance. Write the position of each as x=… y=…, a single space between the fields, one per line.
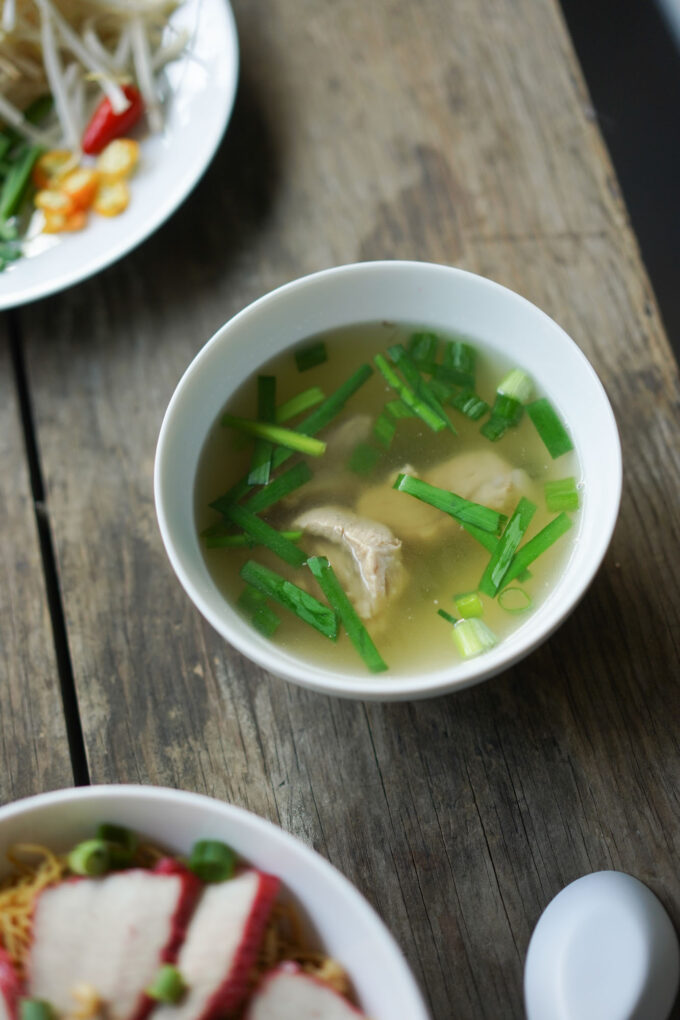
x=202 y=88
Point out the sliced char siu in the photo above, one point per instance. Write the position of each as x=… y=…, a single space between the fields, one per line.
x=110 y=933
x=287 y=993
x=10 y=987
x=221 y=946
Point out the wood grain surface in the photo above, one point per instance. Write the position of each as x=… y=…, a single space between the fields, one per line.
x=452 y=132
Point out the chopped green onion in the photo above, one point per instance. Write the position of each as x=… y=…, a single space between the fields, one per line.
x=260 y=465
x=167 y=986
x=299 y=403
x=282 y=486
x=422 y=409
x=212 y=861
x=241 y=541
x=446 y=616
x=289 y=438
x=363 y=459
x=122 y=842
x=423 y=347
x=383 y=430
x=472 y=637
x=17 y=180
x=469 y=605
x=516 y=384
x=515 y=600
x=398 y=409
x=311 y=356
x=549 y=427
x=91 y=857
x=250 y=599
x=443 y=391
x=357 y=633
x=459 y=360
x=298 y=601
x=419 y=385
x=505 y=413
x=502 y=555
x=263 y=534
x=265 y=621
x=35 y=1009
x=537 y=545
x=461 y=509
x=472 y=406
x=561 y=494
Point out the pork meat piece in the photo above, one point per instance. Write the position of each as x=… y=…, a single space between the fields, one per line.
x=365 y=555
x=411 y=520
x=287 y=993
x=482 y=476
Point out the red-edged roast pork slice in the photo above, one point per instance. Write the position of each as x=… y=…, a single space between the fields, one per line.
x=110 y=934
x=221 y=946
x=287 y=993
x=10 y=987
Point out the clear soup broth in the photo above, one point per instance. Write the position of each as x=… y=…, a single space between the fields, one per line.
x=437 y=559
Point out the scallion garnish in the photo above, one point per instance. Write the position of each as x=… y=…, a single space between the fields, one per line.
x=279 y=487
x=446 y=616
x=357 y=633
x=423 y=347
x=398 y=409
x=35 y=1009
x=299 y=403
x=263 y=534
x=260 y=464
x=515 y=600
x=469 y=605
x=459 y=362
x=502 y=555
x=561 y=494
x=298 y=601
x=516 y=384
x=122 y=843
x=537 y=545
x=472 y=637
x=419 y=385
x=262 y=616
x=463 y=510
x=289 y=438
x=472 y=406
x=406 y=394
x=311 y=356
x=91 y=857
x=511 y=393
x=383 y=430
x=167 y=986
x=363 y=459
x=549 y=427
x=212 y=861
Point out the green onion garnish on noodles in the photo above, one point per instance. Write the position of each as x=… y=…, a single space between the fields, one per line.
x=549 y=427
x=383 y=430
x=502 y=555
x=472 y=406
x=406 y=394
x=469 y=605
x=561 y=494
x=91 y=857
x=298 y=404
x=212 y=861
x=419 y=385
x=311 y=356
x=279 y=487
x=16 y=181
x=287 y=594
x=537 y=545
x=357 y=633
x=464 y=511
x=289 y=438
x=167 y=986
x=263 y=534
x=472 y=637
x=35 y=1009
x=260 y=464
x=242 y=541
x=363 y=459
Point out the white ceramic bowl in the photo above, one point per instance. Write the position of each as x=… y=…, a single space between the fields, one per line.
x=348 y=929
x=436 y=297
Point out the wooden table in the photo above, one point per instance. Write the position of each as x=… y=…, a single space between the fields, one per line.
x=452 y=132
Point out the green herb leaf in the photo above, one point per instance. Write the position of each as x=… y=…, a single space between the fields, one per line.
x=287 y=594
x=356 y=631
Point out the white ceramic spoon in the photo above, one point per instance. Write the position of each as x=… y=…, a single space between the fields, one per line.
x=603 y=949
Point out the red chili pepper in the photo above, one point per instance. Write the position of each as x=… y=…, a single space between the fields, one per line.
x=106 y=125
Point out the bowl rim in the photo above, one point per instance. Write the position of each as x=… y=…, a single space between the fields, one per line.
x=383 y=687
x=252 y=824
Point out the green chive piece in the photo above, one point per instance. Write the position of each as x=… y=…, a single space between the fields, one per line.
x=561 y=494
x=383 y=430
x=263 y=534
x=299 y=403
x=311 y=356
x=505 y=413
x=515 y=600
x=357 y=633
x=423 y=347
x=446 y=616
x=289 y=438
x=419 y=385
x=537 y=545
x=363 y=459
x=549 y=427
x=35 y=1009
x=472 y=637
x=472 y=406
x=516 y=384
x=122 y=842
x=250 y=599
x=279 y=487
x=242 y=541
x=502 y=555
x=459 y=358
x=398 y=409
x=298 y=601
x=167 y=986
x=461 y=509
x=212 y=861
x=91 y=857
x=260 y=464
x=406 y=394
x=262 y=616
x=469 y=605
x=17 y=180
x=443 y=391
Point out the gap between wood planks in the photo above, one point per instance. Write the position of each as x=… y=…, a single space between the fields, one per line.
x=74 y=730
